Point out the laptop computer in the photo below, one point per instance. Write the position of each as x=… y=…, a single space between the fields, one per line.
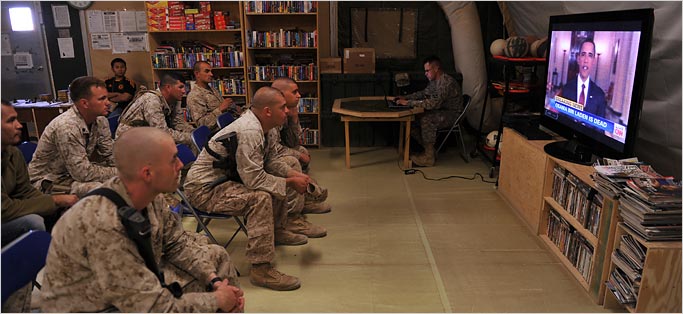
x=392 y=104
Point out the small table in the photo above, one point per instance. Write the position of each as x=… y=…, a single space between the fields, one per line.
x=374 y=108
x=39 y=115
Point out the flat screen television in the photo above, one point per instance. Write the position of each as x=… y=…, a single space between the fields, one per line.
x=597 y=67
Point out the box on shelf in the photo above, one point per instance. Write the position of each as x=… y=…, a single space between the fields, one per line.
x=359 y=60
x=331 y=65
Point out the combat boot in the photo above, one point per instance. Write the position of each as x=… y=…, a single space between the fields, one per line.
x=299 y=224
x=317 y=208
x=426 y=159
x=266 y=276
x=315 y=192
x=286 y=237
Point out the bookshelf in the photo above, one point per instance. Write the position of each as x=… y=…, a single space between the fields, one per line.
x=281 y=39
x=558 y=202
x=202 y=36
x=660 y=278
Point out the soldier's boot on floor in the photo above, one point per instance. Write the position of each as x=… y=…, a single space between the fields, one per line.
x=315 y=192
x=426 y=159
x=299 y=224
x=317 y=208
x=286 y=237
x=264 y=275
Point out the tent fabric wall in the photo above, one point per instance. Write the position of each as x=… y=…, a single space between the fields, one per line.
x=659 y=136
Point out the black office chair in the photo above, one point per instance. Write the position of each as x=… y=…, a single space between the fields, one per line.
x=466 y=100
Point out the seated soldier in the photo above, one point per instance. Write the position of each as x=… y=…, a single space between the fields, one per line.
x=161 y=109
x=74 y=153
x=204 y=102
x=254 y=184
x=23 y=207
x=289 y=137
x=93 y=265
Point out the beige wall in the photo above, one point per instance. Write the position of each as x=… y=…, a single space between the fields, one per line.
x=139 y=66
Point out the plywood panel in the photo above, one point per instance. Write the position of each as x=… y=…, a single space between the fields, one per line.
x=522 y=175
x=139 y=66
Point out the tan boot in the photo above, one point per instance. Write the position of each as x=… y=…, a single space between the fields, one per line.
x=265 y=275
x=286 y=237
x=426 y=159
x=317 y=208
x=299 y=224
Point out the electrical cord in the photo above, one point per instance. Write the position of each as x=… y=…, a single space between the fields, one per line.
x=413 y=171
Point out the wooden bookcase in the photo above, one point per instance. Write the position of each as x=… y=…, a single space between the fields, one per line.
x=660 y=284
x=526 y=183
x=225 y=74
x=266 y=24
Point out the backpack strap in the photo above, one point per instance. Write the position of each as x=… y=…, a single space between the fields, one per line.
x=138 y=229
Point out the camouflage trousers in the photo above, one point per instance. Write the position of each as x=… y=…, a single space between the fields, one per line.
x=211 y=252
x=425 y=126
x=19 y=301
x=295 y=201
x=262 y=211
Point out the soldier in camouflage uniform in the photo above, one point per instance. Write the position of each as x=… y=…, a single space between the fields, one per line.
x=92 y=265
x=262 y=195
x=161 y=109
x=442 y=102
x=74 y=153
x=204 y=102
x=288 y=136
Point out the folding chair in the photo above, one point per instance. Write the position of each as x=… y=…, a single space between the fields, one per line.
x=113 y=124
x=200 y=136
x=466 y=100
x=225 y=119
x=203 y=218
x=22 y=259
x=27 y=149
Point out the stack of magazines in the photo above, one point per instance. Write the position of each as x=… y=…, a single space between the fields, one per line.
x=624 y=281
x=649 y=203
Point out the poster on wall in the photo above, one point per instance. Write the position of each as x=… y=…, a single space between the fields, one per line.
x=6 y=45
x=127 y=21
x=60 y=13
x=127 y=42
x=95 y=21
x=141 y=20
x=23 y=60
x=100 y=41
x=66 y=47
x=111 y=21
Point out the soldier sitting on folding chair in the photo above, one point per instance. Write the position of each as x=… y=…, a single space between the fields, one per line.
x=261 y=190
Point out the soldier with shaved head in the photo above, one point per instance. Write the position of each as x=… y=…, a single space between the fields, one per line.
x=93 y=265
x=261 y=190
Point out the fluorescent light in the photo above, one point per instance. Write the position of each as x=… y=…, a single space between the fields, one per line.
x=21 y=19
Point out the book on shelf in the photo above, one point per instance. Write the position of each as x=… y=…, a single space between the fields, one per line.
x=281 y=6
x=571 y=243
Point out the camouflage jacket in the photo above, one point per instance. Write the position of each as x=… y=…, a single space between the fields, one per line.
x=92 y=265
x=65 y=151
x=150 y=106
x=275 y=135
x=257 y=162
x=442 y=94
x=203 y=105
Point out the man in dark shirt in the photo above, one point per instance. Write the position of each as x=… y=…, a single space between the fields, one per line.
x=121 y=89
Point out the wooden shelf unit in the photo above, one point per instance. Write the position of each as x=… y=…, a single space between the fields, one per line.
x=526 y=182
x=309 y=88
x=660 y=284
x=213 y=36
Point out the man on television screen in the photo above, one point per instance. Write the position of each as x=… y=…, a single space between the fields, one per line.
x=582 y=89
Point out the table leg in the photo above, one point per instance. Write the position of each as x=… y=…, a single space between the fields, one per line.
x=406 y=147
x=348 y=146
x=400 y=138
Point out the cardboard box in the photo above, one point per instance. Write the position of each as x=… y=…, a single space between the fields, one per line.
x=331 y=65
x=359 y=60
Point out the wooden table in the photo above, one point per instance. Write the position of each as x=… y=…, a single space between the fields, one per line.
x=39 y=116
x=374 y=109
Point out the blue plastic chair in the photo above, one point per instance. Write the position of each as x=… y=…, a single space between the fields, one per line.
x=203 y=218
x=225 y=119
x=27 y=149
x=22 y=259
x=113 y=124
x=200 y=136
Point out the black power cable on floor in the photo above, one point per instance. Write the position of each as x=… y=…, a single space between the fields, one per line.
x=413 y=171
